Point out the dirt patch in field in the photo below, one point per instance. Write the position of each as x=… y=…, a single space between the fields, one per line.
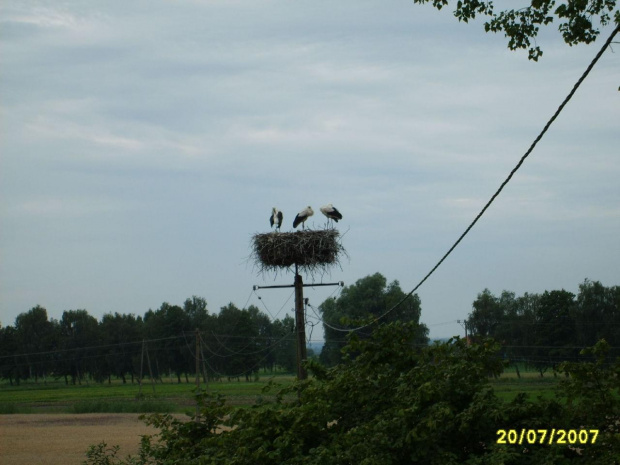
x=62 y=439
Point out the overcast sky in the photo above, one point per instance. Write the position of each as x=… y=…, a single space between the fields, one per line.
x=143 y=143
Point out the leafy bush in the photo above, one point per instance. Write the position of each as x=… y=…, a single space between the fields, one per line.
x=392 y=403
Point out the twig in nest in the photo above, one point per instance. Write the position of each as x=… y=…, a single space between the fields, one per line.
x=311 y=250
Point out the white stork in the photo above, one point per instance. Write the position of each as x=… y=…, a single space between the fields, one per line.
x=331 y=212
x=302 y=216
x=276 y=218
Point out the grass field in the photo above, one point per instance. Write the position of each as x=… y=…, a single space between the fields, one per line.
x=508 y=386
x=56 y=397
x=62 y=421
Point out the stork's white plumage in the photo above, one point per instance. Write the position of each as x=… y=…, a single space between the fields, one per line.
x=276 y=218
x=331 y=212
x=302 y=216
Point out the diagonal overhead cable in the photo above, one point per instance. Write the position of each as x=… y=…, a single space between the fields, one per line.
x=501 y=187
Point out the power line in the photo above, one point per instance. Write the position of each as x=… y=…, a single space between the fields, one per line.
x=105 y=346
x=443 y=323
x=267 y=309
x=249 y=370
x=137 y=343
x=501 y=187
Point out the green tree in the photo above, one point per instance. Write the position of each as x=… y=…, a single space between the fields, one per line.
x=487 y=315
x=284 y=336
x=79 y=334
x=518 y=329
x=579 y=20
x=171 y=329
x=35 y=336
x=197 y=312
x=121 y=334
x=264 y=337
x=366 y=300
x=9 y=364
x=237 y=341
x=597 y=314
x=554 y=330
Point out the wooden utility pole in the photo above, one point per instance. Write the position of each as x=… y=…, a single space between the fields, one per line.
x=197 y=373
x=141 y=365
x=300 y=318
x=148 y=360
x=463 y=323
x=300 y=327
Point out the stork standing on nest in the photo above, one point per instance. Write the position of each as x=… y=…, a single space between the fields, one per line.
x=331 y=212
x=302 y=216
x=276 y=218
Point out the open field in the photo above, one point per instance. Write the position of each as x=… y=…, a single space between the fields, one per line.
x=508 y=385
x=55 y=424
x=62 y=439
x=56 y=397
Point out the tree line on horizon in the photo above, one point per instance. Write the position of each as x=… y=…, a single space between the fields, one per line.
x=543 y=330
x=536 y=330
x=233 y=343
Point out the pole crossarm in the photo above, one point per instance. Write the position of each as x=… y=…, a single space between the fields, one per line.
x=300 y=317
x=339 y=283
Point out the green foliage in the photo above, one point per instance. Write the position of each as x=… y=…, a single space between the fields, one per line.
x=487 y=314
x=592 y=396
x=394 y=403
x=369 y=298
x=599 y=378
x=101 y=454
x=543 y=330
x=579 y=20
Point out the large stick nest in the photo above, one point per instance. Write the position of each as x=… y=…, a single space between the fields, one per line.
x=310 y=250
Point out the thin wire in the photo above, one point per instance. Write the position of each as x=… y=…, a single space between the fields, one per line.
x=338 y=290
x=237 y=352
x=240 y=312
x=278 y=312
x=443 y=323
x=501 y=187
x=252 y=368
x=233 y=353
x=344 y=330
x=192 y=354
x=73 y=349
x=246 y=302
x=136 y=343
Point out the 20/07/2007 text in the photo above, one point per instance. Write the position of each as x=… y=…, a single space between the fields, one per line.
x=545 y=436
